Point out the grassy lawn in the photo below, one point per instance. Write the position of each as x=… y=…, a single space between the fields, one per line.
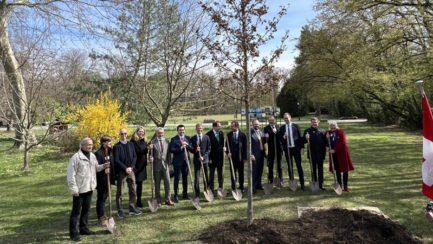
x=35 y=204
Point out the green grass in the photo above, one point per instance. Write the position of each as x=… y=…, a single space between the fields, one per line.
x=35 y=204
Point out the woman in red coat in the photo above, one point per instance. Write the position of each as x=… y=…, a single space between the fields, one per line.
x=340 y=153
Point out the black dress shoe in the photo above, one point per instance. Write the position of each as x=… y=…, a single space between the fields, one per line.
x=76 y=238
x=176 y=199
x=185 y=197
x=322 y=188
x=86 y=232
x=139 y=204
x=303 y=188
x=260 y=187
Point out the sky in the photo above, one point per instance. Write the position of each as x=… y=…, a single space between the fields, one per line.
x=298 y=15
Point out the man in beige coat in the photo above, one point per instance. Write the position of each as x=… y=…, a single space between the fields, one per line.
x=82 y=168
x=161 y=161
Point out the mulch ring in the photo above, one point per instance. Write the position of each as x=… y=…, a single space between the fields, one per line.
x=324 y=226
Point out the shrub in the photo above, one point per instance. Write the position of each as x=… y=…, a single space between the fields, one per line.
x=101 y=116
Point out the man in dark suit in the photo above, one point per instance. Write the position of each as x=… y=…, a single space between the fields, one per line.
x=274 y=149
x=290 y=137
x=177 y=147
x=124 y=161
x=161 y=165
x=317 y=137
x=216 y=156
x=258 y=151
x=202 y=147
x=237 y=141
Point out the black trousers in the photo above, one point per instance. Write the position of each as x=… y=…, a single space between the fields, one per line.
x=197 y=170
x=318 y=166
x=296 y=154
x=181 y=170
x=102 y=195
x=338 y=172
x=79 y=204
x=139 y=190
x=271 y=159
x=219 y=169
x=238 y=166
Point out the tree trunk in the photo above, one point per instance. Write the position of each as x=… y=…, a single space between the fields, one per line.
x=26 y=156
x=250 y=173
x=15 y=79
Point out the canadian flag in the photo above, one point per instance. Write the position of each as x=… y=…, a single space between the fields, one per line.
x=427 y=149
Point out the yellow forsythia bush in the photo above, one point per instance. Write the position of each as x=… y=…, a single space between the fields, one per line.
x=101 y=116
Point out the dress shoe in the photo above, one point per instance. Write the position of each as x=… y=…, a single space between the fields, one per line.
x=322 y=188
x=76 y=238
x=303 y=188
x=139 y=205
x=169 y=203
x=260 y=187
x=185 y=197
x=176 y=199
x=103 y=220
x=86 y=232
x=347 y=189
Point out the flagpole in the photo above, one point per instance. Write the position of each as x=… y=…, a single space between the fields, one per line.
x=421 y=87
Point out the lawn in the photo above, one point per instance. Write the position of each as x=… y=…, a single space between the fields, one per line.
x=35 y=204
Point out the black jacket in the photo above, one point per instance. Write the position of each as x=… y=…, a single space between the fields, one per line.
x=141 y=151
x=271 y=140
x=124 y=156
x=317 y=143
x=216 y=148
x=101 y=177
x=297 y=137
x=241 y=147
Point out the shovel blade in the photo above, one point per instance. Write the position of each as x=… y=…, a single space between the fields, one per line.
x=111 y=225
x=237 y=195
x=314 y=186
x=208 y=194
x=337 y=188
x=153 y=205
x=268 y=188
x=196 y=203
x=293 y=184
x=221 y=193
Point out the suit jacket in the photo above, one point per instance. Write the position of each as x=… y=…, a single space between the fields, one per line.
x=101 y=177
x=273 y=138
x=216 y=148
x=205 y=148
x=120 y=157
x=317 y=143
x=297 y=137
x=255 y=144
x=161 y=160
x=241 y=147
x=178 y=152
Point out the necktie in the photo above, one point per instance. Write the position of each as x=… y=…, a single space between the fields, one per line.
x=260 y=139
x=236 y=138
x=217 y=135
x=290 y=135
x=161 y=146
x=199 y=139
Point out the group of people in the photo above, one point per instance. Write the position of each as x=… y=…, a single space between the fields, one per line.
x=127 y=162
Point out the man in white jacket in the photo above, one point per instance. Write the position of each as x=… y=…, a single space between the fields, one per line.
x=82 y=168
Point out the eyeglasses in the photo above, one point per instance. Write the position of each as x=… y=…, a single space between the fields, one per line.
x=123 y=133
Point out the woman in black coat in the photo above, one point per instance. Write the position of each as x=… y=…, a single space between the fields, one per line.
x=140 y=144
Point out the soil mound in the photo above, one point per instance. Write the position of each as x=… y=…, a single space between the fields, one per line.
x=324 y=226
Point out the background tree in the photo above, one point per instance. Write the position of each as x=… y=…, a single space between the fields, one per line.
x=241 y=29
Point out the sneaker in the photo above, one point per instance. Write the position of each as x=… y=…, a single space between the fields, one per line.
x=121 y=214
x=134 y=211
x=76 y=238
x=86 y=232
x=347 y=189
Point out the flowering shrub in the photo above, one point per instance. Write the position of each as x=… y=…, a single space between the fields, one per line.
x=99 y=117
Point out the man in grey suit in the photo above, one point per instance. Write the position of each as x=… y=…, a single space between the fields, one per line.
x=201 y=144
x=161 y=160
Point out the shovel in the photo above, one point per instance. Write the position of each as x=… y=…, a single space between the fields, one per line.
x=221 y=192
x=268 y=188
x=335 y=186
x=153 y=203
x=314 y=185
x=208 y=194
x=195 y=200
x=277 y=180
x=111 y=225
x=237 y=194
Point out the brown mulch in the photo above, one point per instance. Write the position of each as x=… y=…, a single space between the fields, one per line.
x=325 y=226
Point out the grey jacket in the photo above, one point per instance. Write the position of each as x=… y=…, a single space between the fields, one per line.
x=162 y=160
x=82 y=172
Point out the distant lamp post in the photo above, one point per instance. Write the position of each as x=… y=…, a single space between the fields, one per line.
x=299 y=110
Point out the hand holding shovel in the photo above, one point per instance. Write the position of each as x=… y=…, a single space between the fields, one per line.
x=335 y=185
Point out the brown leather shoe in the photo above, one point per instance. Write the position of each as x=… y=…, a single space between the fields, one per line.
x=103 y=220
x=169 y=203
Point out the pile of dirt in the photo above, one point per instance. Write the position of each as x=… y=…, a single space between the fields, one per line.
x=324 y=226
